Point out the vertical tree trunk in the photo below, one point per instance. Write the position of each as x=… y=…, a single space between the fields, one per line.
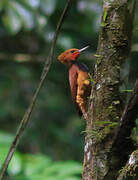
x=106 y=100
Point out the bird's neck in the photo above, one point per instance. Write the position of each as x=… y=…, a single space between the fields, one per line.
x=74 y=62
x=80 y=66
x=70 y=63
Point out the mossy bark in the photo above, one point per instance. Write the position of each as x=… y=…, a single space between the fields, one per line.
x=131 y=168
x=106 y=104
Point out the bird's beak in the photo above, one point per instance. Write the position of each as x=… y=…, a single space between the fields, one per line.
x=83 y=49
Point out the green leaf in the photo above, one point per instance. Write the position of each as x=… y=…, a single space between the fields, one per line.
x=105 y=15
x=127 y=90
x=103 y=24
x=97 y=55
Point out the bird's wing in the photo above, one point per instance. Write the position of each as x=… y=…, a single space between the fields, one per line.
x=73 y=77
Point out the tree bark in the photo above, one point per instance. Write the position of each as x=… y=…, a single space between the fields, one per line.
x=127 y=122
x=130 y=168
x=106 y=104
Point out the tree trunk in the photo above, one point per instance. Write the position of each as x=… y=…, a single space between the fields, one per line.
x=106 y=104
x=130 y=168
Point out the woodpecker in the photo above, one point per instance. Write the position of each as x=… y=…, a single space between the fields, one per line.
x=80 y=84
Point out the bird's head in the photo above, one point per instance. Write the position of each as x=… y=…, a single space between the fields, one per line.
x=70 y=55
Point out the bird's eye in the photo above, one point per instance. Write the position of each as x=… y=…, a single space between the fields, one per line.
x=72 y=51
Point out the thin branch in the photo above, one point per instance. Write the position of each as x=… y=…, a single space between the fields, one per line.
x=28 y=113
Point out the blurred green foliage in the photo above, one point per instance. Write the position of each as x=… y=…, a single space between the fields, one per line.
x=26 y=31
x=37 y=166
